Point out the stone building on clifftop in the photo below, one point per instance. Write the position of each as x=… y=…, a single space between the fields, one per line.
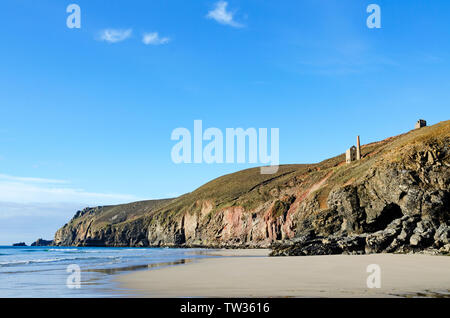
x=420 y=123
x=353 y=153
x=350 y=154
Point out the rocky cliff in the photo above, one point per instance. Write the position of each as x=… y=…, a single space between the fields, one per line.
x=396 y=199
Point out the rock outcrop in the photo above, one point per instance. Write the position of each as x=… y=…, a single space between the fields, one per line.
x=19 y=244
x=396 y=199
x=42 y=242
x=403 y=235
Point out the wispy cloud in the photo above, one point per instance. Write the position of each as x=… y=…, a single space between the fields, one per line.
x=333 y=57
x=10 y=210
x=36 y=207
x=30 y=180
x=25 y=222
x=222 y=16
x=339 y=64
x=115 y=35
x=40 y=190
x=153 y=38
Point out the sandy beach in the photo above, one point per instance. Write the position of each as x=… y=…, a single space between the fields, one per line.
x=251 y=273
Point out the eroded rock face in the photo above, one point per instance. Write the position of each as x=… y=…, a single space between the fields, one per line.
x=230 y=227
x=398 y=207
x=400 y=210
x=130 y=234
x=392 y=201
x=397 y=237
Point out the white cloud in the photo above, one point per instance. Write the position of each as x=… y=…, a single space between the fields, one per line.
x=28 y=179
x=36 y=207
x=115 y=35
x=25 y=222
x=38 y=190
x=9 y=210
x=222 y=16
x=153 y=38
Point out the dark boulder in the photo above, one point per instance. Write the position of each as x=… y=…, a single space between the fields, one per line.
x=19 y=244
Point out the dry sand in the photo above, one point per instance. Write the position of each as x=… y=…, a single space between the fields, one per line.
x=250 y=273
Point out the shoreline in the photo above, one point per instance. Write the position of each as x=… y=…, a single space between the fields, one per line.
x=251 y=273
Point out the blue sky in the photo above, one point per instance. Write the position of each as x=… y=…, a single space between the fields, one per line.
x=86 y=114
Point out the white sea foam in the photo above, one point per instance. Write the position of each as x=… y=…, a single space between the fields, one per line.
x=63 y=249
x=51 y=260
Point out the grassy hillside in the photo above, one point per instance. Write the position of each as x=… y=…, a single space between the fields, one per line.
x=303 y=190
x=249 y=187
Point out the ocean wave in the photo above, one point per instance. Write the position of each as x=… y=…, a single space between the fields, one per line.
x=63 y=250
x=53 y=260
x=137 y=249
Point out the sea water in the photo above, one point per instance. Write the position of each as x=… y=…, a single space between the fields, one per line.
x=43 y=271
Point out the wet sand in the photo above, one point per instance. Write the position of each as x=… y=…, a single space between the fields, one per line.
x=251 y=273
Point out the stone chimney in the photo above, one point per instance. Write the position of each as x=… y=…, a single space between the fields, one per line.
x=358 y=149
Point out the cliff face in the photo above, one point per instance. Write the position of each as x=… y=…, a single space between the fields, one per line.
x=396 y=199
